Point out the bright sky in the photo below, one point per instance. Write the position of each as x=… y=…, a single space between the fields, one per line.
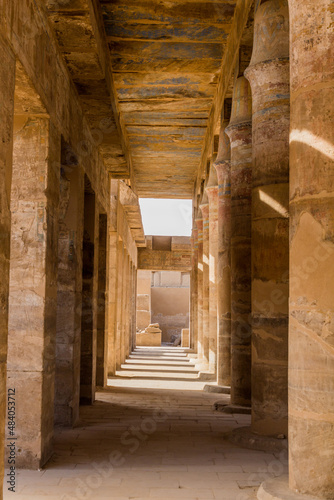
x=162 y=217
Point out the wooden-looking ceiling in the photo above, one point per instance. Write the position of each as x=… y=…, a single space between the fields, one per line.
x=165 y=57
x=146 y=72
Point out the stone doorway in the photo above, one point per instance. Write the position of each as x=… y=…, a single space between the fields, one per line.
x=163 y=308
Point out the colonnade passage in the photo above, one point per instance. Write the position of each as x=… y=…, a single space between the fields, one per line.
x=230 y=104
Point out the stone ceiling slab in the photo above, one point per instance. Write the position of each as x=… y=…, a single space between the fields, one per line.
x=166 y=57
x=148 y=74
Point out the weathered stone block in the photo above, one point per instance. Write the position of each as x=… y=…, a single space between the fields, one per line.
x=144 y=302
x=143 y=319
x=143 y=282
x=148 y=339
x=34 y=417
x=185 y=337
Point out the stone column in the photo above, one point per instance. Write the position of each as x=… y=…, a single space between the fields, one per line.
x=102 y=338
x=268 y=74
x=199 y=223
x=112 y=280
x=128 y=292
x=124 y=310
x=123 y=306
x=134 y=306
x=194 y=292
x=7 y=79
x=192 y=284
x=69 y=294
x=33 y=286
x=212 y=193
x=89 y=297
x=204 y=207
x=240 y=134
x=130 y=308
x=311 y=332
x=119 y=307
x=223 y=168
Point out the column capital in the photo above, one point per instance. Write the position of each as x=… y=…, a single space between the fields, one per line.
x=212 y=192
x=224 y=146
x=212 y=187
x=271 y=34
x=205 y=210
x=223 y=168
x=241 y=116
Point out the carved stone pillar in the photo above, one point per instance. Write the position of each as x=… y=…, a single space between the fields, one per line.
x=199 y=223
x=311 y=332
x=194 y=291
x=90 y=255
x=240 y=134
x=268 y=75
x=112 y=280
x=69 y=296
x=33 y=286
x=212 y=193
x=204 y=207
x=223 y=168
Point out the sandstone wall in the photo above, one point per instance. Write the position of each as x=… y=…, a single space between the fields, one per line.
x=68 y=341
x=33 y=285
x=170 y=303
x=7 y=84
x=144 y=279
x=165 y=254
x=53 y=150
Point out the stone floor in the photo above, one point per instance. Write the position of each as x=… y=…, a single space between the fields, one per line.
x=150 y=437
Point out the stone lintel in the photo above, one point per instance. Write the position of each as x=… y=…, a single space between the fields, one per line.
x=167 y=253
x=129 y=201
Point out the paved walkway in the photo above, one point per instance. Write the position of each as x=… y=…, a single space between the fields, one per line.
x=143 y=441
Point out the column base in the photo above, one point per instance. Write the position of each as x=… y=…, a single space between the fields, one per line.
x=244 y=437
x=219 y=389
x=206 y=376
x=278 y=489
x=202 y=364
x=229 y=408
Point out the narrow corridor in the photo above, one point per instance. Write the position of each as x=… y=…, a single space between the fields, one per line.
x=141 y=440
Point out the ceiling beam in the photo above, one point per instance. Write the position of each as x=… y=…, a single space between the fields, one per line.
x=241 y=16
